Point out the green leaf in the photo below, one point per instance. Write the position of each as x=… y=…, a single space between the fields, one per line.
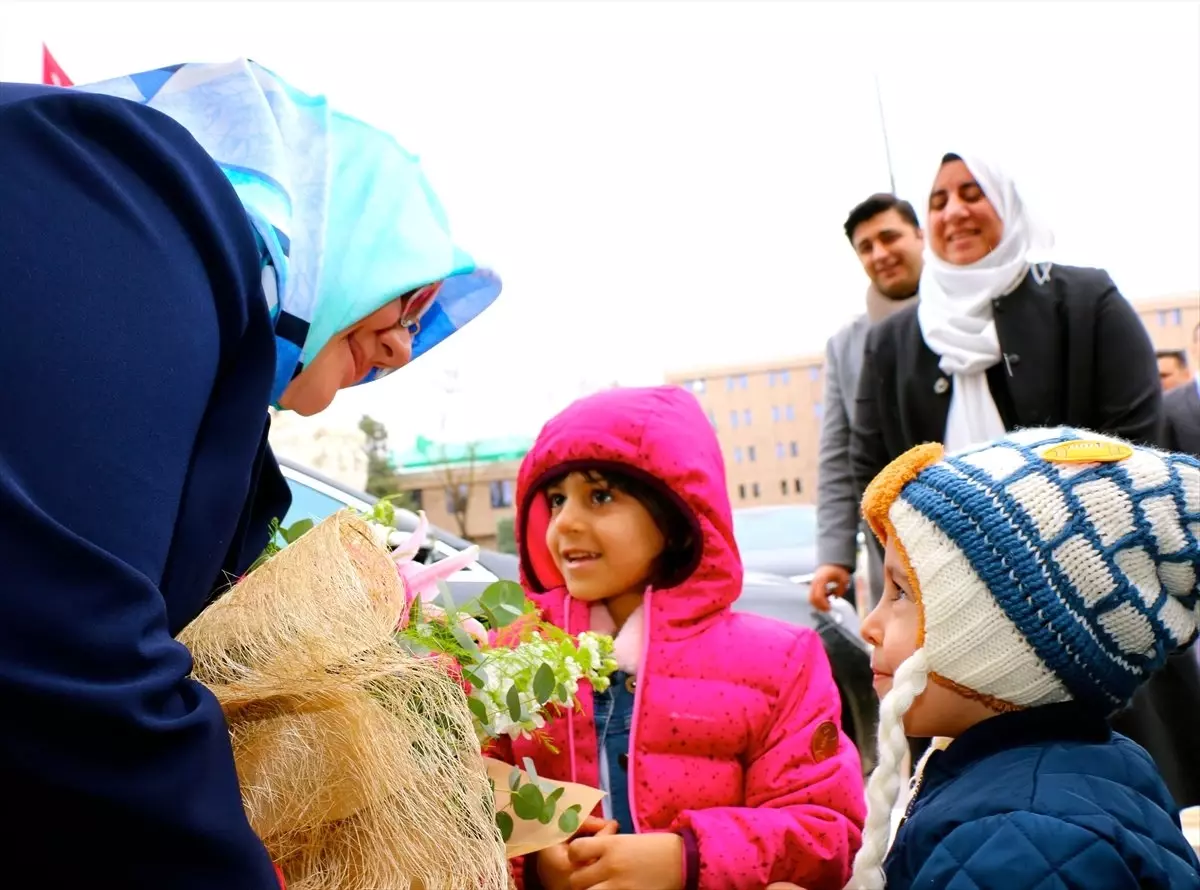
x=514 y=779
x=447 y=599
x=476 y=677
x=292 y=533
x=528 y=803
x=465 y=640
x=546 y=816
x=561 y=693
x=505 y=823
x=478 y=709
x=556 y=795
x=513 y=700
x=569 y=820
x=505 y=602
x=543 y=684
x=385 y=512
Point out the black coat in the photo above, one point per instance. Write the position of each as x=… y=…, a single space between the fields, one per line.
x=1182 y=408
x=1075 y=353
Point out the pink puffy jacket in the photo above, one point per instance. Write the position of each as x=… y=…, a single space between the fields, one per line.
x=736 y=741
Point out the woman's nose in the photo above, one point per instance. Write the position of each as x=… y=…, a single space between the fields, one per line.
x=955 y=209
x=393 y=348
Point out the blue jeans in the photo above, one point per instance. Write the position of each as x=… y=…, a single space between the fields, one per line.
x=614 y=720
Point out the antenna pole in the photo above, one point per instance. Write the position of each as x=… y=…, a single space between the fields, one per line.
x=887 y=150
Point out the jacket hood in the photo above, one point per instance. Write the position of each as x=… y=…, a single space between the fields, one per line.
x=659 y=434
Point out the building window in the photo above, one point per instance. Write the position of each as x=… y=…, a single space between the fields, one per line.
x=754 y=489
x=783 y=486
x=712 y=418
x=502 y=493
x=750 y=453
x=1177 y=317
x=744 y=381
x=456 y=497
x=729 y=384
x=785 y=377
x=418 y=498
x=775 y=414
x=770 y=378
x=819 y=409
x=814 y=373
x=746 y=417
x=791 y=412
x=742 y=491
x=779 y=450
x=799 y=486
x=795 y=449
x=737 y=455
x=733 y=419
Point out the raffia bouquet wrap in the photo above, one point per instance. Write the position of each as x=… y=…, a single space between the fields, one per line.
x=359 y=764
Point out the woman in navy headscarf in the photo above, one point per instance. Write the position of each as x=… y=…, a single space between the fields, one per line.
x=179 y=250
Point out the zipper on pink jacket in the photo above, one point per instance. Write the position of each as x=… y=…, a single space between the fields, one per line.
x=633 y=728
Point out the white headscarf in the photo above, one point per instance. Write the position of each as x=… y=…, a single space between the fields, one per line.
x=955 y=311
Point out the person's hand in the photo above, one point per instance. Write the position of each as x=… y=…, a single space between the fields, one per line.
x=554 y=865
x=826 y=580
x=627 y=862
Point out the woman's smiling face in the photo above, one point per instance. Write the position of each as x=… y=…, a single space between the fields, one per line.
x=382 y=341
x=963 y=224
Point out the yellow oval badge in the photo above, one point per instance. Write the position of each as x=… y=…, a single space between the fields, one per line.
x=1087 y=451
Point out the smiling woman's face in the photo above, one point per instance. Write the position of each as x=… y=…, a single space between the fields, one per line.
x=382 y=340
x=963 y=225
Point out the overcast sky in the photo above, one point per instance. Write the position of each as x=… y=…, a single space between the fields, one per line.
x=662 y=185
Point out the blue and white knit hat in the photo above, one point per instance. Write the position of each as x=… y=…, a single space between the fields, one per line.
x=1052 y=565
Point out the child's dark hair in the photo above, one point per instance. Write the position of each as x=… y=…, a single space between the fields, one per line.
x=681 y=548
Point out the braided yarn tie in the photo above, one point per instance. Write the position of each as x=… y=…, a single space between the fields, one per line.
x=883 y=789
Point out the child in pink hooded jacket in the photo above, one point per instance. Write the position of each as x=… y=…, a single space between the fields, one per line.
x=719 y=741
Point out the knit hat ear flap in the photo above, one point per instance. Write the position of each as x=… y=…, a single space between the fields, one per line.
x=886 y=487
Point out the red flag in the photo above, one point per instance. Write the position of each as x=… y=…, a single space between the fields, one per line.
x=52 y=72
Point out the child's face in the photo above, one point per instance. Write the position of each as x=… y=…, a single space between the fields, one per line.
x=893 y=628
x=603 y=541
x=893 y=625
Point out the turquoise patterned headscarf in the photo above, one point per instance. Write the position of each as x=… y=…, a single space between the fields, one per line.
x=346 y=220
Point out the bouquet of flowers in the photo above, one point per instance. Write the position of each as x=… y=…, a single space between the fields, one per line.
x=359 y=697
x=511 y=686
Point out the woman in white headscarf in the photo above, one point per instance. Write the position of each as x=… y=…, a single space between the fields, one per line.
x=1003 y=339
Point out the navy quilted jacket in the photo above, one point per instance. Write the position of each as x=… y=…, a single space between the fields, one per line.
x=1044 y=799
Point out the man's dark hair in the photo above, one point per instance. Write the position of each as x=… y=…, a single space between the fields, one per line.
x=1180 y=355
x=879 y=203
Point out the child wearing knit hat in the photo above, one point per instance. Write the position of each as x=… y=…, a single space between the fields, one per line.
x=1031 y=585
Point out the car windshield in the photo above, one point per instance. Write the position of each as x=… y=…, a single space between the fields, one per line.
x=775 y=528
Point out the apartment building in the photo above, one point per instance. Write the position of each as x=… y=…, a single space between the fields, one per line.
x=465 y=488
x=1174 y=323
x=767 y=415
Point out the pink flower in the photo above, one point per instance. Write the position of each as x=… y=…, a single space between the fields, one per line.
x=421 y=581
